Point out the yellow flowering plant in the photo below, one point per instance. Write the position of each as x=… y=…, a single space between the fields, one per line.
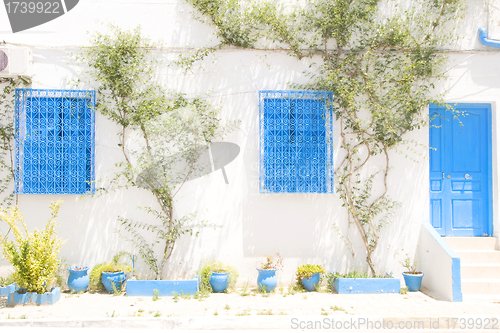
x=33 y=255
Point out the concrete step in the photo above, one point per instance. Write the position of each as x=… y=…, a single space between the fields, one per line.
x=479 y=256
x=472 y=243
x=480 y=271
x=481 y=286
x=489 y=298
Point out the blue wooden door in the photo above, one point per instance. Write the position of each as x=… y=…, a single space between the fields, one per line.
x=460 y=169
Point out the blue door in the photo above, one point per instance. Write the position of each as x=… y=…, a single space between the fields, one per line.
x=460 y=170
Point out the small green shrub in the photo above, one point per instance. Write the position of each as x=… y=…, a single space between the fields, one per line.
x=95 y=283
x=205 y=273
x=33 y=255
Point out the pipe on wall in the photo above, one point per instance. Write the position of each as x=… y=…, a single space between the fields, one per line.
x=483 y=38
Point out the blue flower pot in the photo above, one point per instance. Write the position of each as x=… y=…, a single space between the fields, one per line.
x=413 y=281
x=219 y=281
x=110 y=279
x=310 y=284
x=78 y=279
x=267 y=280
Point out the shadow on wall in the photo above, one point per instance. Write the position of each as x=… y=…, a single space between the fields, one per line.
x=295 y=225
x=409 y=185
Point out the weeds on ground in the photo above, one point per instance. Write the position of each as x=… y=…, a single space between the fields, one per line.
x=336 y=308
x=185 y=296
x=156 y=295
x=113 y=314
x=200 y=295
x=403 y=291
x=262 y=290
x=139 y=313
x=245 y=312
x=20 y=317
x=116 y=291
x=72 y=293
x=265 y=313
x=322 y=288
x=244 y=290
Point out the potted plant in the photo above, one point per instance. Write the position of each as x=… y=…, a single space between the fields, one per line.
x=34 y=257
x=309 y=276
x=110 y=275
x=267 y=279
x=413 y=278
x=216 y=276
x=78 y=279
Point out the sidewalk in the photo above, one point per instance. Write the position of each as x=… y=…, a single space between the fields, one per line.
x=276 y=311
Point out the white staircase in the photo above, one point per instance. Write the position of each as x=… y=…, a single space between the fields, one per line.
x=480 y=267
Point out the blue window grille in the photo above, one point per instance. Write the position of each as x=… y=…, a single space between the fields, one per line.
x=54 y=151
x=296 y=150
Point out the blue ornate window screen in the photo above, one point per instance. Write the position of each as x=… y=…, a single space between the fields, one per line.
x=54 y=151
x=296 y=150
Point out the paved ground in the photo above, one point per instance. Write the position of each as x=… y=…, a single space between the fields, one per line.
x=352 y=313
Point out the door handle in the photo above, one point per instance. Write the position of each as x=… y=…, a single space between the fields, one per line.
x=443 y=175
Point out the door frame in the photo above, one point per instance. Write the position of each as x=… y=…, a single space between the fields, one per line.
x=489 y=150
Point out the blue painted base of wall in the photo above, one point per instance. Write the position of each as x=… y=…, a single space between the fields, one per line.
x=366 y=285
x=5 y=291
x=46 y=298
x=165 y=287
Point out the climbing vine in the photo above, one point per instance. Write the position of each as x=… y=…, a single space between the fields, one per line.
x=379 y=58
x=163 y=134
x=7 y=135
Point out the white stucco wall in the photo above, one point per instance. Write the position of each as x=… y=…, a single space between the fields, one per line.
x=299 y=226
